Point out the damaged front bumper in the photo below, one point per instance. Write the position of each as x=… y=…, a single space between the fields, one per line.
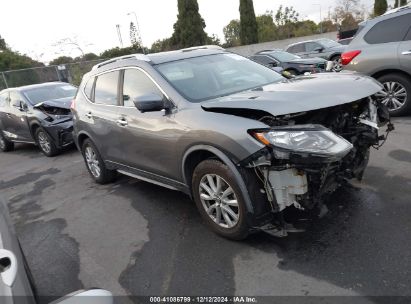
x=303 y=163
x=61 y=131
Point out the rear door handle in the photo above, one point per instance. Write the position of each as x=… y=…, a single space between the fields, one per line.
x=89 y=115
x=122 y=122
x=406 y=53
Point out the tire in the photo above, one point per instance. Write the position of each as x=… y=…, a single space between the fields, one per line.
x=95 y=164
x=5 y=145
x=45 y=143
x=292 y=72
x=231 y=228
x=337 y=63
x=396 y=84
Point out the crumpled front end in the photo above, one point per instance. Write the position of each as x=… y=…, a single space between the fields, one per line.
x=58 y=123
x=308 y=155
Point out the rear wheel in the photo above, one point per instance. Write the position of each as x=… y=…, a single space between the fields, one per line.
x=5 y=145
x=95 y=164
x=220 y=200
x=396 y=94
x=45 y=143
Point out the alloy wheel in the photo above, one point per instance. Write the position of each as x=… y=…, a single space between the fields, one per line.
x=219 y=201
x=337 y=67
x=92 y=162
x=44 y=142
x=393 y=95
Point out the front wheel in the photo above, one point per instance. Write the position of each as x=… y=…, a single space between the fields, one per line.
x=5 y=145
x=95 y=164
x=45 y=143
x=220 y=200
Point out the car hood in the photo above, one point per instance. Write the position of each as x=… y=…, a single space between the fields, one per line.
x=300 y=94
x=314 y=60
x=63 y=103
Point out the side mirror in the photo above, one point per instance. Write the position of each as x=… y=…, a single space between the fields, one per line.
x=149 y=103
x=21 y=106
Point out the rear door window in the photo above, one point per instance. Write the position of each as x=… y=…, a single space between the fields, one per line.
x=311 y=46
x=298 y=48
x=106 y=91
x=88 y=89
x=263 y=59
x=391 y=30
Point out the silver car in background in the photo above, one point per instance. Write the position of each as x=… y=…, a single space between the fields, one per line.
x=382 y=49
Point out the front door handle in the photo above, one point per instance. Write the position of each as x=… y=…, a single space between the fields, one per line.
x=122 y=122
x=406 y=53
x=89 y=115
x=8 y=115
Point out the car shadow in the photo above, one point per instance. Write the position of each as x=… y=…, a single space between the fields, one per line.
x=351 y=247
x=32 y=151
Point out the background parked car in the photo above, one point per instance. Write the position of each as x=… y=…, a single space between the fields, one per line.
x=37 y=114
x=382 y=49
x=16 y=281
x=291 y=63
x=324 y=48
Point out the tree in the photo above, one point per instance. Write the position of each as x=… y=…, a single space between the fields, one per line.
x=117 y=52
x=189 y=28
x=161 y=45
x=267 y=31
x=349 y=10
x=285 y=18
x=403 y=2
x=328 y=26
x=3 y=45
x=61 y=60
x=305 y=28
x=396 y=4
x=248 y=23
x=380 y=7
x=133 y=34
x=232 y=33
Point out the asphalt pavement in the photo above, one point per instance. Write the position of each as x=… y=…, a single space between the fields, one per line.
x=135 y=238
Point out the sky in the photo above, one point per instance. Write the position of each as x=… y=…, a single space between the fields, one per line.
x=34 y=27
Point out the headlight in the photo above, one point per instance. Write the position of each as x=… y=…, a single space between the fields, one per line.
x=311 y=139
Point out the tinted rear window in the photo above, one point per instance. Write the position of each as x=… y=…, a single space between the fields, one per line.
x=106 y=88
x=88 y=88
x=391 y=30
x=298 y=48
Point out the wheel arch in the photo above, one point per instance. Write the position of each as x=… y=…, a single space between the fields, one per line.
x=196 y=154
x=381 y=73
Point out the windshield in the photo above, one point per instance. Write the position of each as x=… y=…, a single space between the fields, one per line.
x=328 y=43
x=50 y=92
x=212 y=76
x=284 y=56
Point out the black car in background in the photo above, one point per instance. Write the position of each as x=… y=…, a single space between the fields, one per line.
x=38 y=114
x=291 y=63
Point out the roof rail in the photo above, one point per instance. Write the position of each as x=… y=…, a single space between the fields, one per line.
x=131 y=56
x=202 y=47
x=269 y=50
x=398 y=9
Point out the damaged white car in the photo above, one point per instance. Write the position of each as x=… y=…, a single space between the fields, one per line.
x=244 y=142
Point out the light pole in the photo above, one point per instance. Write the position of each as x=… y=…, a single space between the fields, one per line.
x=321 y=18
x=140 y=40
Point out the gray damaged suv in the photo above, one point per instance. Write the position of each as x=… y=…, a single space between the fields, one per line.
x=241 y=140
x=382 y=49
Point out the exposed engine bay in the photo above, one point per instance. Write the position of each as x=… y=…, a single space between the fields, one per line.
x=309 y=155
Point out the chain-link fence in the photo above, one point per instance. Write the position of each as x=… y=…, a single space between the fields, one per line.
x=71 y=73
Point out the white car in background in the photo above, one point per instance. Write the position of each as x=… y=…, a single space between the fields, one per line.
x=16 y=285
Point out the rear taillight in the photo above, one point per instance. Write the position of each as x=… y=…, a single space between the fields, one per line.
x=73 y=104
x=347 y=57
